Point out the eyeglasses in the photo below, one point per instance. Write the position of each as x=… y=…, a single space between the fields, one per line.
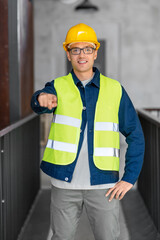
x=77 y=51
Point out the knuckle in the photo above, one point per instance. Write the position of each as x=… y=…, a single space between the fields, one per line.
x=41 y=103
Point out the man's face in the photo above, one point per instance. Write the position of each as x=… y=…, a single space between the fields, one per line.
x=82 y=62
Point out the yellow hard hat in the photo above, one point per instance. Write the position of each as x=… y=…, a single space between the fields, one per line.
x=81 y=33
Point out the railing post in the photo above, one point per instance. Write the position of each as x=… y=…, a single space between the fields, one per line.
x=2 y=200
x=1 y=217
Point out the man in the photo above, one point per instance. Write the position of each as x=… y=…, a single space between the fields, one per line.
x=82 y=152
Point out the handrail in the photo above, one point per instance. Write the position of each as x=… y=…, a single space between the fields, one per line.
x=145 y=113
x=17 y=124
x=19 y=167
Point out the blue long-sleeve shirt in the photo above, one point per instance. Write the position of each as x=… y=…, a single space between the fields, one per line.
x=129 y=126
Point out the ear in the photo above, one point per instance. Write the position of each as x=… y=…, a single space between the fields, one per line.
x=68 y=56
x=95 y=54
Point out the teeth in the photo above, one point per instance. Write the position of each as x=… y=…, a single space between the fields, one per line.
x=82 y=61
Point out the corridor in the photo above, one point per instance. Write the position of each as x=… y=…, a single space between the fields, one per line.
x=135 y=221
x=32 y=54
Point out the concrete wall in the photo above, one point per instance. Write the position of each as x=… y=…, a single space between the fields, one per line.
x=131 y=28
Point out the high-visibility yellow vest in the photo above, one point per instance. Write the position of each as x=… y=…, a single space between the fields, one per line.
x=63 y=140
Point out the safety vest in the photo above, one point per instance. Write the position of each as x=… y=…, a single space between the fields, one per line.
x=63 y=140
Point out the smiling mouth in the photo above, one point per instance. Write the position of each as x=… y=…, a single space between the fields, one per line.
x=82 y=61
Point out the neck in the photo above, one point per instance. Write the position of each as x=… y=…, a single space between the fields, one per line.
x=84 y=75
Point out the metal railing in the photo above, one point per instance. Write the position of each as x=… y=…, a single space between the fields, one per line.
x=149 y=180
x=19 y=174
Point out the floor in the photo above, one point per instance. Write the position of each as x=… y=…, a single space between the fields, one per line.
x=135 y=221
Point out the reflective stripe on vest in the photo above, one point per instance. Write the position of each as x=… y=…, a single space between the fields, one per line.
x=62 y=146
x=64 y=134
x=61 y=119
x=109 y=152
x=106 y=126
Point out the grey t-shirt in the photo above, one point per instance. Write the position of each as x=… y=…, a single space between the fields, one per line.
x=81 y=175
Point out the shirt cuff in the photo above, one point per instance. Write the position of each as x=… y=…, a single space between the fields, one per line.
x=129 y=179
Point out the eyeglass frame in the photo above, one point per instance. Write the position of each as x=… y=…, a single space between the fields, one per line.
x=70 y=50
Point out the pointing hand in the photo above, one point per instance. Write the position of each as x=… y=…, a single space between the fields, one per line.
x=47 y=100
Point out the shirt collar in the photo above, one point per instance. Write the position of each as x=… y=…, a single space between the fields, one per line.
x=95 y=80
